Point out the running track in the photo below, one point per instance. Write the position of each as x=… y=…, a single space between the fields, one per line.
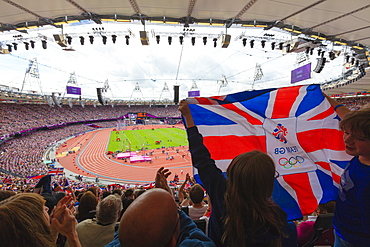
x=92 y=161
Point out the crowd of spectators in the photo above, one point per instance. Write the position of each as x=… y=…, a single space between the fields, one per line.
x=97 y=210
x=18 y=117
x=355 y=103
x=23 y=155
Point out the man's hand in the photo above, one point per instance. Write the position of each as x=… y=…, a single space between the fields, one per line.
x=341 y=111
x=161 y=179
x=184 y=108
x=187 y=179
x=185 y=111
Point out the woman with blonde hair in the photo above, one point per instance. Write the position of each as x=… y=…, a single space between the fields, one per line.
x=243 y=212
x=25 y=222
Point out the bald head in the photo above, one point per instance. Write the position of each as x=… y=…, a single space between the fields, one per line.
x=150 y=220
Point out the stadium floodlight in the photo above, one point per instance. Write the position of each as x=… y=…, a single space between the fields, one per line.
x=69 y=40
x=193 y=41
x=158 y=38
x=114 y=38
x=91 y=38
x=44 y=44
x=281 y=45
x=104 y=39
x=331 y=55
x=287 y=48
x=244 y=42
x=263 y=43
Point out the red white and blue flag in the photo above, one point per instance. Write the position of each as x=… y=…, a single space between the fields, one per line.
x=56 y=171
x=296 y=126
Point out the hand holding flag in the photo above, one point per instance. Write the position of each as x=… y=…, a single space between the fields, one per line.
x=296 y=126
x=185 y=111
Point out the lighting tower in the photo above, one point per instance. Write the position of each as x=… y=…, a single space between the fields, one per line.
x=258 y=74
x=165 y=89
x=222 y=83
x=32 y=73
x=136 y=90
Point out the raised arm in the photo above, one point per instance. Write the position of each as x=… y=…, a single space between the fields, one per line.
x=340 y=109
x=210 y=175
x=161 y=179
x=181 y=190
x=185 y=111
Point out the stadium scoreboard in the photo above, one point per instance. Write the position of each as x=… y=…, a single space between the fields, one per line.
x=137 y=115
x=141 y=115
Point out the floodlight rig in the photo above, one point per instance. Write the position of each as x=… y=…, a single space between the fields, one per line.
x=165 y=89
x=193 y=86
x=32 y=72
x=222 y=83
x=136 y=90
x=258 y=74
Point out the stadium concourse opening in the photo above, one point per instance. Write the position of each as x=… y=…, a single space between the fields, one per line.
x=101 y=154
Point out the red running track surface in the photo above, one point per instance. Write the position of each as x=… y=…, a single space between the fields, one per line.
x=91 y=160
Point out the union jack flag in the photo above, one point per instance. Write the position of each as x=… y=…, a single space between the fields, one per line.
x=295 y=125
x=56 y=171
x=148 y=186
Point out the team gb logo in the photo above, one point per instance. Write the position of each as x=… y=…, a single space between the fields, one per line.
x=280 y=132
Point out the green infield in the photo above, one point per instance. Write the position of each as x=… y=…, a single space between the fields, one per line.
x=135 y=140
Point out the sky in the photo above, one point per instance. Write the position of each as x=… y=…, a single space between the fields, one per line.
x=151 y=68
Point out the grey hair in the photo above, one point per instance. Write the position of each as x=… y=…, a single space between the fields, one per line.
x=107 y=211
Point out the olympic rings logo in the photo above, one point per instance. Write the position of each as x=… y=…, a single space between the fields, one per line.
x=291 y=162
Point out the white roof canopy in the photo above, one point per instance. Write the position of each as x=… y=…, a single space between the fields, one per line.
x=333 y=19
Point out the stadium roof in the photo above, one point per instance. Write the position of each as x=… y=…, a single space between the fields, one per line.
x=356 y=86
x=338 y=21
x=347 y=21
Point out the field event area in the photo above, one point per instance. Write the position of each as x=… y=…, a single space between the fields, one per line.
x=127 y=156
x=140 y=139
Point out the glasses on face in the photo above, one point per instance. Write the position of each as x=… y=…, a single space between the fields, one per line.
x=177 y=222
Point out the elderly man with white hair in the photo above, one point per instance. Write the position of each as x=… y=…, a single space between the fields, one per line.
x=100 y=231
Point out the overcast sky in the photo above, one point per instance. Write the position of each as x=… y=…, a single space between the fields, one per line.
x=153 y=66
